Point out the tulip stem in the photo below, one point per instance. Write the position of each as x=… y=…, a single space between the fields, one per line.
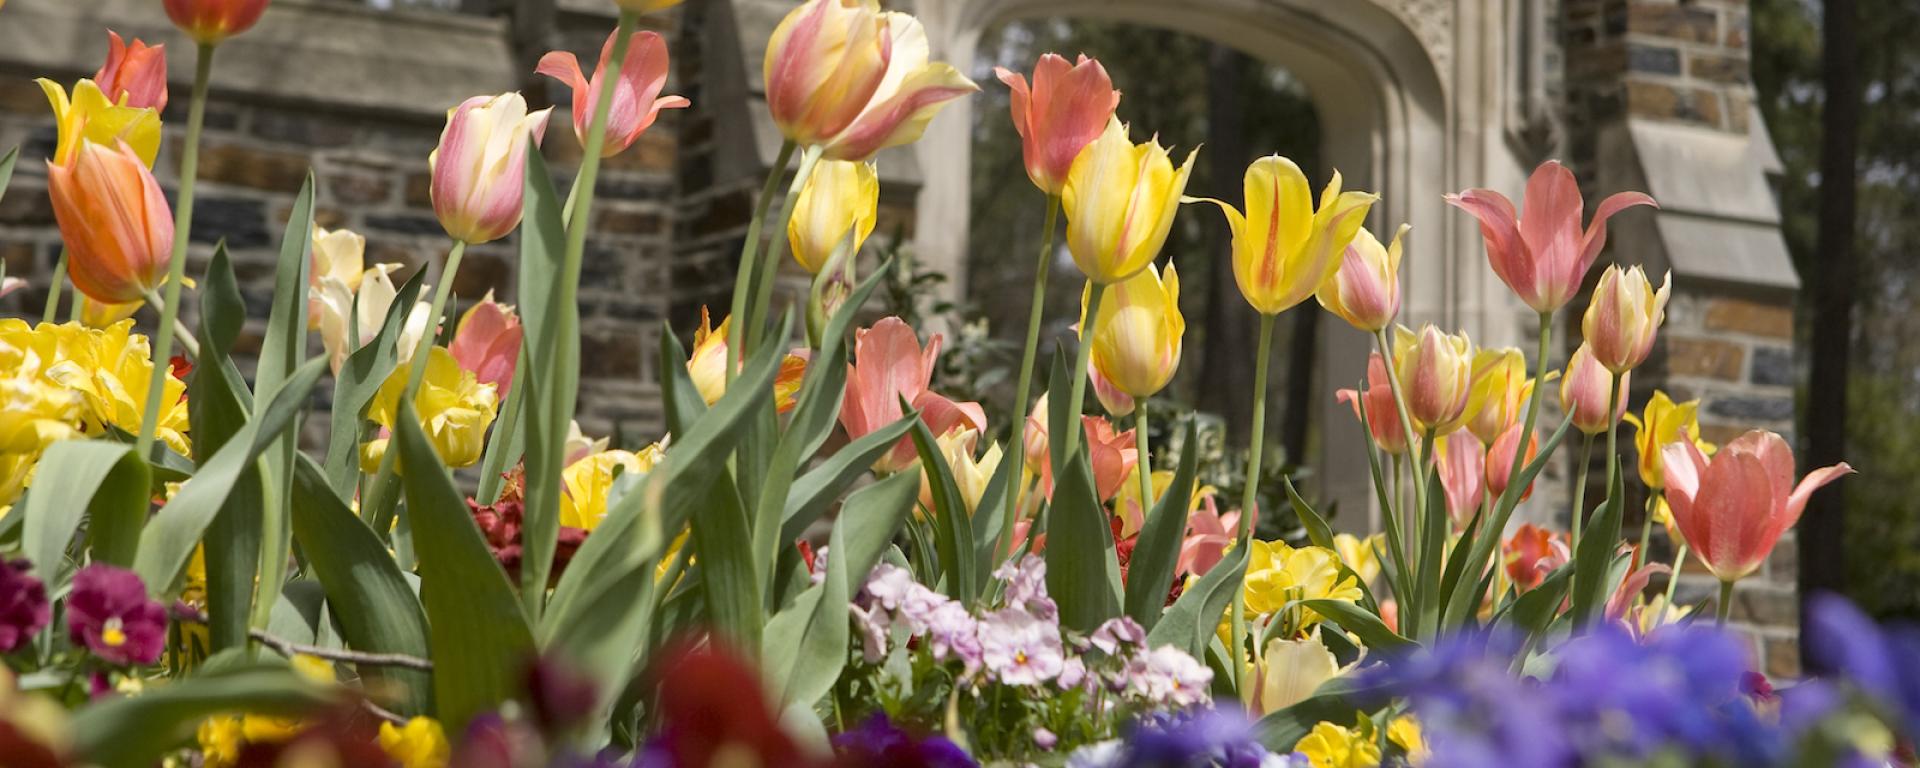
x=53 y=288
x=769 y=272
x=417 y=367
x=1613 y=437
x=1144 y=465
x=180 y=332
x=743 y=276
x=1096 y=292
x=1673 y=583
x=177 y=264
x=1250 y=496
x=1035 y=311
x=1580 y=491
x=1725 y=609
x=1406 y=426
x=1646 y=533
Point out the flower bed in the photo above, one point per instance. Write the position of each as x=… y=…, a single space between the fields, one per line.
x=179 y=582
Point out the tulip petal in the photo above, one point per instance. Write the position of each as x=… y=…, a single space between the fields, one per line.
x=1550 y=225
x=1596 y=235
x=1815 y=480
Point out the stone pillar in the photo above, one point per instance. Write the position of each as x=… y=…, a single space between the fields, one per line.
x=1661 y=100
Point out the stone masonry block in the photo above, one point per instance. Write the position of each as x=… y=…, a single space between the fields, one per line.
x=1674 y=102
x=1719 y=68
x=1685 y=22
x=1772 y=320
x=224 y=162
x=1653 y=59
x=1712 y=358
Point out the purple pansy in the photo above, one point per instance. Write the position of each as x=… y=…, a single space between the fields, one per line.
x=878 y=743
x=1027 y=587
x=109 y=612
x=23 y=604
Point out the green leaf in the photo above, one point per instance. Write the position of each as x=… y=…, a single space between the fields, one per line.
x=220 y=409
x=476 y=628
x=1318 y=531
x=281 y=350
x=552 y=345
x=507 y=443
x=682 y=399
x=95 y=479
x=358 y=381
x=1533 y=612
x=1465 y=602
x=6 y=169
x=952 y=531
x=138 y=730
x=223 y=314
x=1157 y=551
x=1361 y=622
x=814 y=492
x=172 y=534
x=1595 y=557
x=806 y=644
x=1083 y=572
x=1426 y=621
x=1190 y=622
x=370 y=599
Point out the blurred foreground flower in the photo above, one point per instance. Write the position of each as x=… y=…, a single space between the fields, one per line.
x=108 y=612
x=210 y=21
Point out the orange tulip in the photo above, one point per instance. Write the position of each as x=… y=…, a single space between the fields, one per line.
x=636 y=95
x=1382 y=416
x=889 y=365
x=1542 y=254
x=116 y=223
x=1501 y=456
x=1733 y=508
x=1532 y=553
x=1063 y=112
x=136 y=73
x=1583 y=392
x=707 y=366
x=210 y=21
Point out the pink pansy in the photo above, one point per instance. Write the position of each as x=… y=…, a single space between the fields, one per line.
x=1734 y=507
x=487 y=342
x=1542 y=253
x=889 y=365
x=1065 y=109
x=636 y=95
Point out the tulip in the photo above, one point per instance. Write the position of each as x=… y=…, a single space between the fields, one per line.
x=479 y=168
x=1288 y=673
x=1362 y=556
x=1663 y=421
x=1120 y=199
x=707 y=366
x=94 y=314
x=486 y=343
x=1110 y=451
x=111 y=369
x=210 y=21
x=588 y=481
x=1542 y=254
x=889 y=365
x=839 y=200
x=1583 y=392
x=846 y=77
x=1500 y=392
x=1382 y=416
x=339 y=254
x=91 y=116
x=1209 y=534
x=1436 y=374
x=1065 y=109
x=1532 y=553
x=636 y=95
x=1734 y=508
x=134 y=75
x=10 y=284
x=365 y=307
x=1117 y=403
x=455 y=409
x=115 y=221
x=1365 y=291
x=1625 y=313
x=1284 y=249
x=1501 y=456
x=970 y=475
x=1136 y=336
x=1462 y=464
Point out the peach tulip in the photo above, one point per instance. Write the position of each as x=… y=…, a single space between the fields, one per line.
x=1109 y=450
x=1733 y=508
x=479 y=168
x=636 y=93
x=1532 y=553
x=1504 y=452
x=1382 y=416
x=1365 y=290
x=210 y=21
x=1542 y=253
x=1623 y=317
x=1064 y=110
x=1436 y=374
x=134 y=75
x=115 y=221
x=1462 y=461
x=851 y=79
x=1137 y=334
x=487 y=342
x=1583 y=392
x=889 y=365
x=1119 y=200
x=1284 y=249
x=1209 y=533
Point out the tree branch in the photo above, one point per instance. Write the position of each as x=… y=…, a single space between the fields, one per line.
x=184 y=612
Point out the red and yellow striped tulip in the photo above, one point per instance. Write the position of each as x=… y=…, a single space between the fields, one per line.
x=210 y=21
x=1064 y=110
x=480 y=166
x=1365 y=290
x=1120 y=199
x=1284 y=249
x=1501 y=389
x=1136 y=335
x=636 y=89
x=1624 y=316
x=116 y=223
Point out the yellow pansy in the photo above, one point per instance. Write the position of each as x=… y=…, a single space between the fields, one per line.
x=589 y=480
x=421 y=743
x=1405 y=733
x=1333 y=746
x=90 y=116
x=454 y=407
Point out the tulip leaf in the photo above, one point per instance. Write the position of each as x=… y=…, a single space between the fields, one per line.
x=722 y=543
x=1533 y=612
x=1190 y=622
x=551 y=318
x=476 y=628
x=6 y=170
x=806 y=644
x=1433 y=544
x=171 y=535
x=92 y=479
x=991 y=523
x=1083 y=569
x=1157 y=550
x=821 y=486
x=1457 y=560
x=1399 y=576
x=359 y=380
x=507 y=443
x=368 y=596
x=281 y=350
x=1318 y=532
x=223 y=313
x=1335 y=701
x=682 y=399
x=1595 y=557
x=1463 y=602
x=220 y=409
x=952 y=533
x=126 y=732
x=1366 y=625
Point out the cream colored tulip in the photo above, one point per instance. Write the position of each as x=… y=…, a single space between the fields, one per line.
x=839 y=197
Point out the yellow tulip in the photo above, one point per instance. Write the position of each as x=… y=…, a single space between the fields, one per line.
x=1362 y=556
x=455 y=409
x=1664 y=421
x=1498 y=394
x=90 y=116
x=970 y=475
x=1436 y=375
x=1283 y=249
x=839 y=197
x=1289 y=672
x=1120 y=199
x=1333 y=746
x=1365 y=290
x=589 y=479
x=707 y=366
x=339 y=254
x=1136 y=337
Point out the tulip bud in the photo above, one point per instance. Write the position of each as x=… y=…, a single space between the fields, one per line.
x=1583 y=392
x=845 y=76
x=210 y=21
x=1283 y=249
x=116 y=223
x=1435 y=371
x=136 y=73
x=1365 y=291
x=1382 y=416
x=1623 y=317
x=1501 y=456
x=839 y=200
x=486 y=343
x=636 y=89
x=479 y=168
x=1120 y=199
x=1500 y=392
x=1066 y=109
x=1136 y=336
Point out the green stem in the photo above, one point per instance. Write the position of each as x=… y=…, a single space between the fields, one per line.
x=1673 y=583
x=180 y=332
x=1406 y=421
x=54 y=285
x=1580 y=491
x=769 y=273
x=1085 y=353
x=1035 y=311
x=177 y=265
x=1263 y=356
x=1646 y=534
x=417 y=367
x=749 y=251
x=1145 y=453
x=1725 y=608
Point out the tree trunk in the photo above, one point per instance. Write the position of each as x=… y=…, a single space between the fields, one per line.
x=1226 y=379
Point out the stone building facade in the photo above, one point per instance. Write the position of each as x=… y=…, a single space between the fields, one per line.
x=1416 y=98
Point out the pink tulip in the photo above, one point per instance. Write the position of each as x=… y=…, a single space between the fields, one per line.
x=1382 y=416
x=480 y=166
x=889 y=365
x=1064 y=111
x=210 y=21
x=1501 y=456
x=1209 y=532
x=116 y=223
x=137 y=73
x=1733 y=508
x=1117 y=402
x=1630 y=587
x=636 y=95
x=1542 y=253
x=1583 y=392
x=486 y=343
x=1462 y=463
x=1623 y=317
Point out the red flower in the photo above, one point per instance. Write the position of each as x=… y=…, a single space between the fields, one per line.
x=713 y=703
x=109 y=612
x=500 y=524
x=23 y=605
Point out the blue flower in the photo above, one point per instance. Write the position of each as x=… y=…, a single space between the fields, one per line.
x=1883 y=662
x=878 y=743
